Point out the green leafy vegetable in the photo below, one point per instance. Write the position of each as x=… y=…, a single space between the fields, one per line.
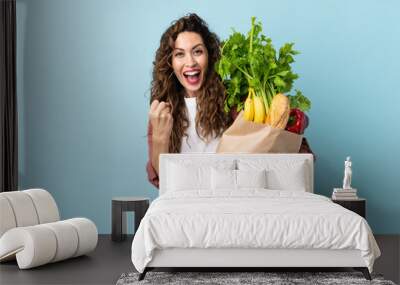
x=299 y=101
x=251 y=62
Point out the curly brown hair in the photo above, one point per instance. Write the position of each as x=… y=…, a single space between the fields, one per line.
x=211 y=120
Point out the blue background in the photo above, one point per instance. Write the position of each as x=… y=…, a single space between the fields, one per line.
x=84 y=71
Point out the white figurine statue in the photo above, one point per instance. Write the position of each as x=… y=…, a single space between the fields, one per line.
x=347 y=174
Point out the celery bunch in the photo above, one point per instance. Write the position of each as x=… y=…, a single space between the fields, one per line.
x=249 y=64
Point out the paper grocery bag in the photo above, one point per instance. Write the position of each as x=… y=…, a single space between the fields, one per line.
x=250 y=137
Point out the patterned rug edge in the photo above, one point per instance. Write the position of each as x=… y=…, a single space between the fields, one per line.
x=268 y=278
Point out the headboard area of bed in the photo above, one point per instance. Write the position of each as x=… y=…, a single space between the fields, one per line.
x=193 y=170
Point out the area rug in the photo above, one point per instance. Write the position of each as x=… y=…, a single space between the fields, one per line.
x=244 y=278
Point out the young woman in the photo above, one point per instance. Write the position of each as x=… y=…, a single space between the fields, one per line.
x=187 y=96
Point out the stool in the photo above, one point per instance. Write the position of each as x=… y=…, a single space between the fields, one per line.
x=121 y=205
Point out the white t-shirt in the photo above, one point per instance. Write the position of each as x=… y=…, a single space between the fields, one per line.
x=193 y=143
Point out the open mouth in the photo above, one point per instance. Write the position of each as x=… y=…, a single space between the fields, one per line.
x=192 y=77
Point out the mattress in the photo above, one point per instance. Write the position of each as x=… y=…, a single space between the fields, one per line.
x=250 y=219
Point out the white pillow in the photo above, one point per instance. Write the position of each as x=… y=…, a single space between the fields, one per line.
x=188 y=175
x=223 y=179
x=251 y=178
x=229 y=179
x=281 y=174
x=181 y=177
x=293 y=178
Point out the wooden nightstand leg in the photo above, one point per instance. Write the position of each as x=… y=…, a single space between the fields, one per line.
x=118 y=226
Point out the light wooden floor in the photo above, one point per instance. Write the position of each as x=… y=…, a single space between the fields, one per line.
x=111 y=259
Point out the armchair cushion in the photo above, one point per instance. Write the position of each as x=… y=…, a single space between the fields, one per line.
x=31 y=232
x=37 y=245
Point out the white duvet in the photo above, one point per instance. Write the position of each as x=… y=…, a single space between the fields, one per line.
x=252 y=218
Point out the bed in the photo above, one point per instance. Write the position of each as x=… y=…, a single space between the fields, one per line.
x=247 y=210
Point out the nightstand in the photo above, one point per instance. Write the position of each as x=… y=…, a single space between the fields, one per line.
x=121 y=205
x=358 y=206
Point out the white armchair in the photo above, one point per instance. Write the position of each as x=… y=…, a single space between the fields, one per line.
x=31 y=230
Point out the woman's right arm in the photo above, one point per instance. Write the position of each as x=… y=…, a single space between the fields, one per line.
x=152 y=173
x=158 y=146
x=158 y=135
